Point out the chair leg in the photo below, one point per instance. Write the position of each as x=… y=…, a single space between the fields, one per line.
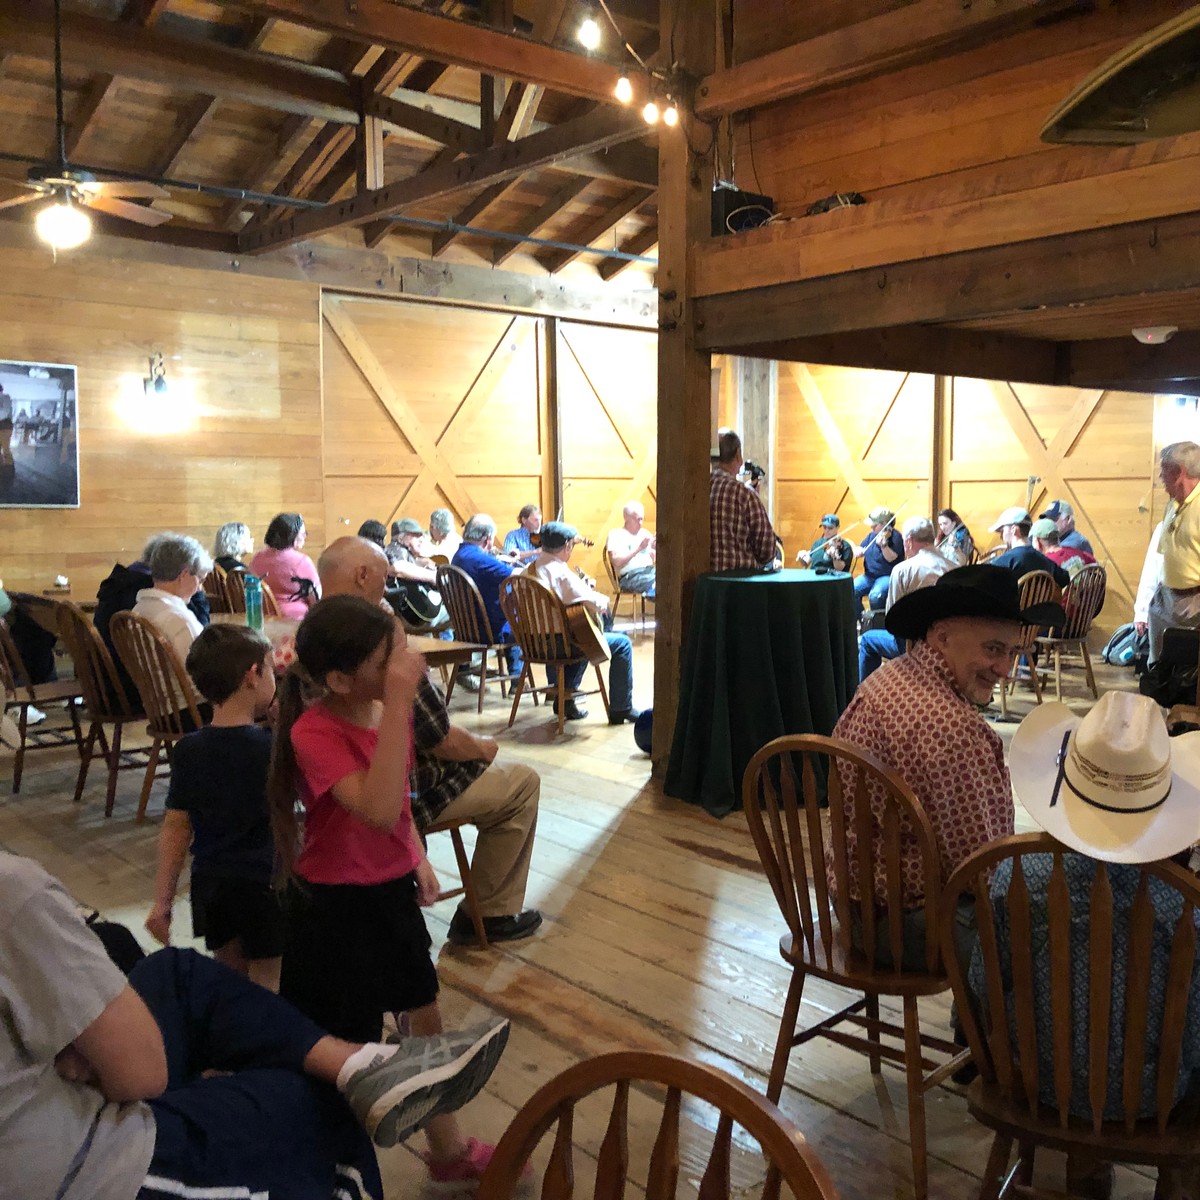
x=916 y=1098
x=526 y=673
x=1058 y=673
x=19 y=760
x=453 y=681
x=996 y=1171
x=562 y=699
x=470 y=896
x=603 y=690
x=113 y=758
x=148 y=782
x=1025 y=1154
x=501 y=670
x=1034 y=681
x=76 y=728
x=85 y=760
x=1004 y=698
x=787 y=1030
x=1087 y=666
x=873 y=1031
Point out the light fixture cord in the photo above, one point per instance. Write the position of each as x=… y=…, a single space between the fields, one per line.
x=641 y=62
x=60 y=123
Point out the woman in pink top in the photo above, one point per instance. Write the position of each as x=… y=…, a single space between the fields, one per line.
x=357 y=945
x=290 y=573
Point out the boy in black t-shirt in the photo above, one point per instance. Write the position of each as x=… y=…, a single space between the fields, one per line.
x=217 y=805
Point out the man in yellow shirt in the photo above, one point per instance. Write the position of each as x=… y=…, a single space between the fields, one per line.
x=1176 y=603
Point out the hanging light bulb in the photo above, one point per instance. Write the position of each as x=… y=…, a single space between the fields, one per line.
x=650 y=113
x=589 y=33
x=61 y=225
x=624 y=89
x=671 y=116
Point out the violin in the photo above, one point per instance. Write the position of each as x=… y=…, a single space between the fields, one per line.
x=535 y=540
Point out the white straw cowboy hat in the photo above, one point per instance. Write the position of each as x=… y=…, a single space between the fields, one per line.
x=1112 y=785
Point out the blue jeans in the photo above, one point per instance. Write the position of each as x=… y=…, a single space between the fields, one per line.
x=620 y=673
x=873 y=647
x=512 y=652
x=875 y=590
x=267 y=1126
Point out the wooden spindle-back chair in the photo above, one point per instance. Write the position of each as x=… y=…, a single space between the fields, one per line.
x=816 y=858
x=1052 y=998
x=168 y=694
x=1035 y=587
x=104 y=698
x=16 y=692
x=538 y=619
x=790 y=1160
x=214 y=589
x=235 y=595
x=635 y=598
x=469 y=617
x=1083 y=598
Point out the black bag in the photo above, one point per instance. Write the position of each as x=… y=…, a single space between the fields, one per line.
x=1126 y=647
x=1172 y=679
x=118 y=941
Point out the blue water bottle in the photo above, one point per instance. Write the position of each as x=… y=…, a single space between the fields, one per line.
x=254 y=602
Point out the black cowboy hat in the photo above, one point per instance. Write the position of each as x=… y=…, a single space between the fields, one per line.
x=981 y=591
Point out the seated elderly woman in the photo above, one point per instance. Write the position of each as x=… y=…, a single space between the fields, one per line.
x=231 y=545
x=443 y=538
x=291 y=574
x=178 y=565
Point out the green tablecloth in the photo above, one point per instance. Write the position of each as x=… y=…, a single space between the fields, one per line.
x=766 y=655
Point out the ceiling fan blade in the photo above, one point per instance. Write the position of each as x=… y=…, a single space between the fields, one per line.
x=19 y=199
x=134 y=189
x=125 y=210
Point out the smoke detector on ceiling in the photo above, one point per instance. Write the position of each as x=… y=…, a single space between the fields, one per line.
x=1155 y=335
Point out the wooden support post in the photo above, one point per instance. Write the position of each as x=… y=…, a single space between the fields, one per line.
x=758 y=405
x=939 y=465
x=549 y=427
x=684 y=372
x=368 y=154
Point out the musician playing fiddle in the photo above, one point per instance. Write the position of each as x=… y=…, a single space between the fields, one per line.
x=521 y=544
x=550 y=567
x=880 y=551
x=830 y=550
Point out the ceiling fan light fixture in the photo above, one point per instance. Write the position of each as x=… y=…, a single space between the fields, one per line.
x=589 y=33
x=1154 y=335
x=63 y=226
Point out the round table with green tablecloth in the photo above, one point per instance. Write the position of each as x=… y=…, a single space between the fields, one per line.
x=767 y=655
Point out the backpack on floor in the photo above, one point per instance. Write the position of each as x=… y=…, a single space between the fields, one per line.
x=1126 y=646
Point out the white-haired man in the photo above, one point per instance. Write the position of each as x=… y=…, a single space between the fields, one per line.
x=632 y=548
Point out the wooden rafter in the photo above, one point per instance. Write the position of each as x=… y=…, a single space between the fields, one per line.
x=531 y=224
x=470 y=212
x=911 y=34
x=640 y=243
x=601 y=226
x=489 y=51
x=490 y=166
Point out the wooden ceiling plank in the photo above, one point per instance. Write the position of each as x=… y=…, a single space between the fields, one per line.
x=497 y=163
x=313 y=164
x=1139 y=258
x=530 y=226
x=915 y=33
x=555 y=260
x=295 y=130
x=640 y=243
x=489 y=51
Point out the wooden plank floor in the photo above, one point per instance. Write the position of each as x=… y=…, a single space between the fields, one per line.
x=660 y=933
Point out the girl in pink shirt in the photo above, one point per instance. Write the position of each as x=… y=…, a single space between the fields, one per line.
x=357 y=945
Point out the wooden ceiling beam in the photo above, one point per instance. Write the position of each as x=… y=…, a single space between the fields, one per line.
x=911 y=34
x=471 y=212
x=554 y=260
x=489 y=51
x=640 y=243
x=421 y=119
x=534 y=222
x=1136 y=367
x=1141 y=258
x=493 y=165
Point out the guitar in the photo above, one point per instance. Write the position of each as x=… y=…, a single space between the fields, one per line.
x=586 y=633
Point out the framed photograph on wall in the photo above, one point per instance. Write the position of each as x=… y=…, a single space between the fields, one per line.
x=39 y=443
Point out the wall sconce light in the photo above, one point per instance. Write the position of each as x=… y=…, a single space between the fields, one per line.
x=156 y=382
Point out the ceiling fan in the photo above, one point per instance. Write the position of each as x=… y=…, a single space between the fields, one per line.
x=62 y=223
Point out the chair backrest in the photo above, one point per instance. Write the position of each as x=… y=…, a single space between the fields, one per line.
x=235 y=591
x=1083 y=598
x=270 y=604
x=463 y=601
x=104 y=694
x=613 y=579
x=1035 y=587
x=994 y=552
x=12 y=668
x=214 y=589
x=1060 y=986
x=789 y=1158
x=165 y=687
x=538 y=619
x=817 y=859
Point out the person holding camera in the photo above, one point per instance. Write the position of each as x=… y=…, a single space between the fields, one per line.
x=880 y=551
x=740 y=531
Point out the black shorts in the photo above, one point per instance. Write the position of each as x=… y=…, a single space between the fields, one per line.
x=355 y=952
x=224 y=909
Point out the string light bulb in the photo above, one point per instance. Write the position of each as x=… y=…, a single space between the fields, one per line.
x=650 y=113
x=589 y=33
x=624 y=91
x=671 y=116
x=61 y=225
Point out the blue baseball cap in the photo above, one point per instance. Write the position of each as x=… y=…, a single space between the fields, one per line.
x=832 y=520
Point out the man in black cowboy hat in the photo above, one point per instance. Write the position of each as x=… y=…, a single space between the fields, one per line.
x=919 y=714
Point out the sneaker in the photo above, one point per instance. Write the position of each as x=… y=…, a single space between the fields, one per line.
x=573 y=711
x=469 y=680
x=396 y=1094
x=463 y=1173
x=34 y=716
x=498 y=929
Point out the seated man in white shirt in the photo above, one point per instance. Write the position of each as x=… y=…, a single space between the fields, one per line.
x=550 y=567
x=178 y=566
x=632 y=551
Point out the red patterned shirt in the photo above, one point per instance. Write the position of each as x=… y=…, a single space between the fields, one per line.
x=740 y=529
x=912 y=718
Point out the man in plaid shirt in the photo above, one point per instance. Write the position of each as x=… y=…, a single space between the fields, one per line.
x=740 y=530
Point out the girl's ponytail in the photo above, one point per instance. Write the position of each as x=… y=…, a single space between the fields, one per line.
x=283 y=780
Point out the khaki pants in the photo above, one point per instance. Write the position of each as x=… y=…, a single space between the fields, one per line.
x=502 y=804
